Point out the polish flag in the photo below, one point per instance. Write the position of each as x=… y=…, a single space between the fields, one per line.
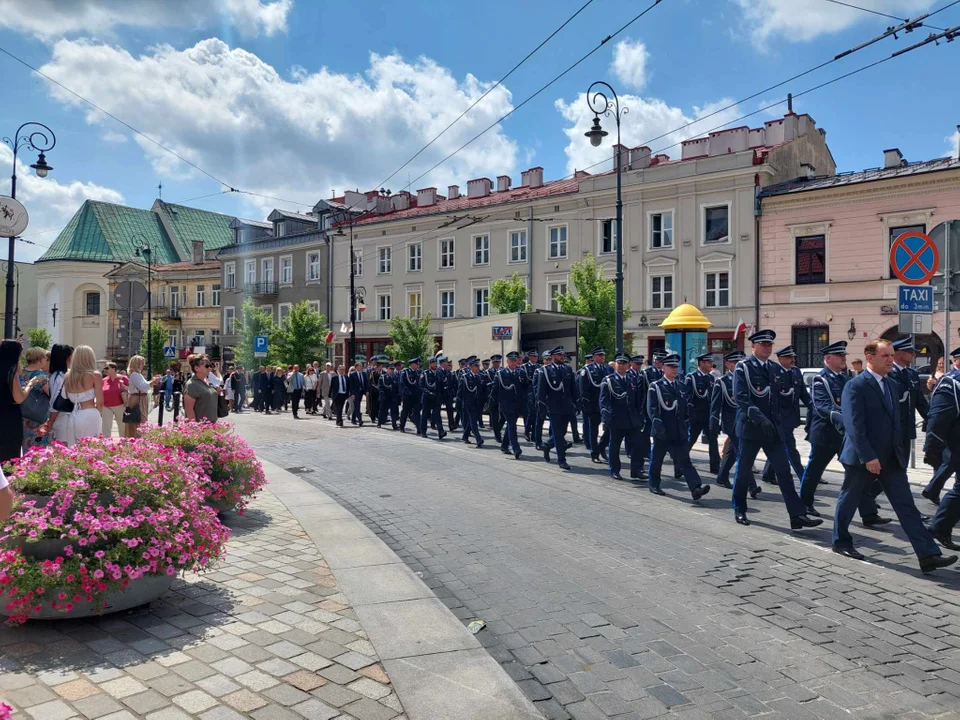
x=346 y=327
x=741 y=327
x=330 y=337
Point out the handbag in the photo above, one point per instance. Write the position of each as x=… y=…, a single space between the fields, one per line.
x=223 y=407
x=131 y=413
x=36 y=406
x=61 y=404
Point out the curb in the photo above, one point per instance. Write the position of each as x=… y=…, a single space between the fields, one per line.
x=435 y=664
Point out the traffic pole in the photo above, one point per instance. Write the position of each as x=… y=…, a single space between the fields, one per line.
x=946 y=294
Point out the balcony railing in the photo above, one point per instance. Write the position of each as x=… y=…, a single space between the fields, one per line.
x=262 y=288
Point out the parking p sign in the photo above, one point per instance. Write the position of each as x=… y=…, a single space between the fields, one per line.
x=260 y=346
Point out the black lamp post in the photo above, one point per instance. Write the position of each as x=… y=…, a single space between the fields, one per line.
x=42 y=140
x=143 y=250
x=16 y=309
x=353 y=291
x=599 y=103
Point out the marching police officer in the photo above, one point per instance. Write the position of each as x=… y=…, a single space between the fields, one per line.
x=793 y=391
x=529 y=367
x=431 y=394
x=496 y=422
x=622 y=409
x=669 y=412
x=541 y=411
x=589 y=380
x=471 y=399
x=410 y=393
x=943 y=433
x=557 y=395
x=373 y=387
x=655 y=371
x=449 y=390
x=458 y=403
x=642 y=444
x=510 y=396
x=485 y=381
x=699 y=387
x=723 y=416
x=912 y=400
x=756 y=387
x=947 y=468
x=389 y=394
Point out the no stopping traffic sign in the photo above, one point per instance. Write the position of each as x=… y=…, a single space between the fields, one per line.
x=914 y=258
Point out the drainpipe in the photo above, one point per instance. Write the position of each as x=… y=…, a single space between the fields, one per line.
x=757 y=211
x=530 y=257
x=326 y=237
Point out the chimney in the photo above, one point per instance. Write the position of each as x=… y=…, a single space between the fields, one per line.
x=503 y=183
x=808 y=171
x=640 y=158
x=427 y=197
x=532 y=178
x=453 y=192
x=478 y=188
x=620 y=155
x=400 y=201
x=893 y=158
x=196 y=252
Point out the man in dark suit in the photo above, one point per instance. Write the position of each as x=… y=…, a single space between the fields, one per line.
x=873 y=449
x=357 y=381
x=339 y=391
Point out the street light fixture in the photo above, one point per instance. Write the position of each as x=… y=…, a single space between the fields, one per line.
x=852 y=331
x=143 y=250
x=41 y=139
x=353 y=290
x=599 y=103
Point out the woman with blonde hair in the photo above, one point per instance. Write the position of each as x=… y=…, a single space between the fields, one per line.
x=83 y=386
x=138 y=396
x=35 y=373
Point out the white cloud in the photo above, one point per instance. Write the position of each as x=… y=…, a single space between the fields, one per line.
x=630 y=63
x=953 y=144
x=237 y=117
x=804 y=20
x=49 y=202
x=56 y=18
x=647 y=118
x=111 y=136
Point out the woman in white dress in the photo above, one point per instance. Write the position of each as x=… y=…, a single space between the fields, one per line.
x=138 y=394
x=60 y=359
x=83 y=386
x=228 y=391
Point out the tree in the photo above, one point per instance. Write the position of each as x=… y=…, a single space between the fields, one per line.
x=301 y=336
x=411 y=338
x=158 y=334
x=39 y=337
x=509 y=296
x=254 y=321
x=595 y=296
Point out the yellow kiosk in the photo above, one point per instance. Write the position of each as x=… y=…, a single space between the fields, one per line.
x=685 y=333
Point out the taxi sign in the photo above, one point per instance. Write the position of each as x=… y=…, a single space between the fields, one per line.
x=914 y=258
x=915 y=298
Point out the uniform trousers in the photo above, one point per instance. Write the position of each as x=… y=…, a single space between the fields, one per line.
x=591 y=428
x=820 y=456
x=410 y=410
x=948 y=513
x=942 y=475
x=680 y=454
x=697 y=428
x=448 y=405
x=618 y=436
x=496 y=421
x=774 y=449
x=858 y=483
x=793 y=455
x=529 y=417
x=430 y=416
x=387 y=407
x=510 y=438
x=471 y=415
x=558 y=431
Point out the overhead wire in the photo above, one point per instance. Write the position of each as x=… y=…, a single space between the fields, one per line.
x=871 y=11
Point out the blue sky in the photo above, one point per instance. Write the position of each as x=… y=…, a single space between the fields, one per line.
x=295 y=98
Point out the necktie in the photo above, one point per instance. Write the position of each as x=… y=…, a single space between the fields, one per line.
x=886 y=392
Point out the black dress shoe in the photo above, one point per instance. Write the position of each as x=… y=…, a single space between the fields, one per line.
x=505 y=451
x=811 y=510
x=741 y=518
x=945 y=539
x=539 y=446
x=563 y=466
x=639 y=475
x=480 y=445
x=850 y=553
x=802 y=521
x=546 y=455
x=465 y=440
x=677 y=475
x=823 y=482
x=755 y=491
x=931 y=496
x=603 y=454
x=595 y=459
x=929 y=564
x=700 y=491
x=714 y=469
x=569 y=444
x=517 y=454
x=616 y=476
x=724 y=484
x=871 y=520
x=657 y=491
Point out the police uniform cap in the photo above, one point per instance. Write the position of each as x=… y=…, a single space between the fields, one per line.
x=787 y=351
x=513 y=355
x=433 y=361
x=622 y=358
x=904 y=344
x=496 y=358
x=659 y=354
x=398 y=364
x=955 y=353
x=837 y=348
x=473 y=361
x=671 y=359
x=598 y=351
x=558 y=350
x=735 y=356
x=532 y=353
x=705 y=356
x=637 y=359
x=486 y=361
x=763 y=336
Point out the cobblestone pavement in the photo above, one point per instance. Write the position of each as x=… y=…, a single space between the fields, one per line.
x=265 y=635
x=602 y=600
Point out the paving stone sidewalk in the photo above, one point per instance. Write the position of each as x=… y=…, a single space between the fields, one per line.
x=266 y=634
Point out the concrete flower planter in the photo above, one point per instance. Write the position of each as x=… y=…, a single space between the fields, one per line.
x=139 y=592
x=51 y=548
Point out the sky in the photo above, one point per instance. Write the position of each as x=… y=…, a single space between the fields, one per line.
x=298 y=99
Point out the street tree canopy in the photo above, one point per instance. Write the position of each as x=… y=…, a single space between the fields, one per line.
x=301 y=337
x=253 y=321
x=158 y=335
x=39 y=337
x=595 y=296
x=509 y=296
x=410 y=338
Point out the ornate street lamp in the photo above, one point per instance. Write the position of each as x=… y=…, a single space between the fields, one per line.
x=599 y=103
x=143 y=250
x=353 y=290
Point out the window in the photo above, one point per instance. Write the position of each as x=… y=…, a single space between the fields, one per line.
x=384 y=307
x=313 y=266
x=558 y=242
x=315 y=305
x=384 y=260
x=717 y=288
x=250 y=272
x=215 y=295
x=481 y=302
x=896 y=232
x=481 y=249
x=518 y=246
x=415 y=257
x=447 y=253
x=199 y=338
x=286 y=270
x=230 y=320
x=266 y=270
x=716 y=224
x=230 y=275
x=811 y=260
x=808 y=342
x=283 y=312
x=174 y=300
x=201 y=295
x=358 y=263
x=608 y=236
x=448 y=305
x=163 y=296
x=215 y=337
x=172 y=338
x=555 y=289
x=415 y=305
x=268 y=309
x=661 y=230
x=661 y=292
x=93 y=303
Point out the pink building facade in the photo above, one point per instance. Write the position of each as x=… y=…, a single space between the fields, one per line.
x=825 y=242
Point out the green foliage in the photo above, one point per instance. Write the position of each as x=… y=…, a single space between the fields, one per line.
x=509 y=296
x=158 y=334
x=411 y=338
x=39 y=337
x=253 y=321
x=596 y=296
x=301 y=337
